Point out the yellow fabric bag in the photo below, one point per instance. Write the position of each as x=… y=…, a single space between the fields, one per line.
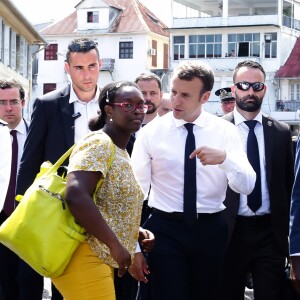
x=42 y=231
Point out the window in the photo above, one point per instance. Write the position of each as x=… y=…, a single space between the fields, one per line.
x=166 y=56
x=93 y=17
x=271 y=48
x=154 y=57
x=244 y=45
x=204 y=46
x=295 y=91
x=178 y=42
x=51 y=52
x=48 y=87
x=125 y=50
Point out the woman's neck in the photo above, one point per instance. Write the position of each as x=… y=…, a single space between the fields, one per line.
x=120 y=139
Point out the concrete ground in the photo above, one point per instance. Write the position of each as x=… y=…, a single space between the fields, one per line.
x=47 y=291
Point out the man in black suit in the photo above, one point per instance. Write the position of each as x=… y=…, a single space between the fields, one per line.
x=12 y=102
x=259 y=242
x=59 y=119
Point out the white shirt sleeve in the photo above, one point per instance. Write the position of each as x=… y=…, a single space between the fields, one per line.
x=5 y=162
x=240 y=174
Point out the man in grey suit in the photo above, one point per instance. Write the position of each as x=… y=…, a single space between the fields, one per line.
x=259 y=241
x=59 y=119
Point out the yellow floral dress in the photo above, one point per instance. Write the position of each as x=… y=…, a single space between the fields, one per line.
x=120 y=196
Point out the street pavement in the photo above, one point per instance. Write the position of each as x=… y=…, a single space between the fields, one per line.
x=47 y=291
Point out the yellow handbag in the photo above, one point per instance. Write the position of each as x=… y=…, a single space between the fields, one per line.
x=42 y=231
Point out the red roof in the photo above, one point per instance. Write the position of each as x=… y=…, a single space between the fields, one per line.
x=134 y=17
x=291 y=68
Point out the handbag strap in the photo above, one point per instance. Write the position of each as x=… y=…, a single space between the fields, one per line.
x=59 y=162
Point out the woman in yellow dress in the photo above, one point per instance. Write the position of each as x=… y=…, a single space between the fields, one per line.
x=112 y=220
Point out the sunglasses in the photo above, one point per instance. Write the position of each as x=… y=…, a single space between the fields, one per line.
x=245 y=86
x=128 y=107
x=83 y=46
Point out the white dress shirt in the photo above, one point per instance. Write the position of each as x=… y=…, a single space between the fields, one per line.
x=243 y=130
x=158 y=159
x=5 y=162
x=21 y=137
x=87 y=110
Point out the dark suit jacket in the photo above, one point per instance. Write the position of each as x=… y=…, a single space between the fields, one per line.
x=295 y=207
x=280 y=176
x=51 y=134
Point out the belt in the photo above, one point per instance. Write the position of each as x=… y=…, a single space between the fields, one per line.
x=177 y=215
x=254 y=220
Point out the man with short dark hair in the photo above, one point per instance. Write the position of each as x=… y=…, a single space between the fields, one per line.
x=259 y=242
x=150 y=85
x=12 y=102
x=188 y=157
x=60 y=118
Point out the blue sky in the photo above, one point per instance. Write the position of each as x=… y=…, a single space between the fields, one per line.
x=38 y=11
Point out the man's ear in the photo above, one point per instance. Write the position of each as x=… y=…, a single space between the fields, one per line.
x=233 y=90
x=67 y=68
x=205 y=96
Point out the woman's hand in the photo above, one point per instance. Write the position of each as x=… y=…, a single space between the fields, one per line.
x=122 y=257
x=146 y=239
x=139 y=267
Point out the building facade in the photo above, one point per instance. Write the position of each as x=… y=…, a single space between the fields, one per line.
x=131 y=40
x=19 y=43
x=223 y=33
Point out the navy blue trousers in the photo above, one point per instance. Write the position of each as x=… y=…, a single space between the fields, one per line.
x=186 y=262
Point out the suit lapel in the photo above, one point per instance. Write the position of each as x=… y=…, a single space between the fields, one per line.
x=67 y=110
x=268 y=127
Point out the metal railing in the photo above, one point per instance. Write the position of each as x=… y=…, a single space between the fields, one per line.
x=288 y=105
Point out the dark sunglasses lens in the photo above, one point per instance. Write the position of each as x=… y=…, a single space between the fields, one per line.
x=257 y=86
x=85 y=46
x=244 y=86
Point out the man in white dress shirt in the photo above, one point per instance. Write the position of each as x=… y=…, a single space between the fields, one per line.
x=259 y=241
x=59 y=119
x=12 y=101
x=187 y=258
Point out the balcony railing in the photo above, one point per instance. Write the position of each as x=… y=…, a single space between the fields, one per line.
x=249 y=20
x=288 y=105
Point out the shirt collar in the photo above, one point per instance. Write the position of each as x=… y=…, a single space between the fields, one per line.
x=200 y=121
x=238 y=118
x=74 y=98
x=21 y=127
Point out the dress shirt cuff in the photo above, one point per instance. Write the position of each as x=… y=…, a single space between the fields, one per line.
x=227 y=164
x=138 y=248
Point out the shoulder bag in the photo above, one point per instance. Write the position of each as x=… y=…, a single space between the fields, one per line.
x=42 y=231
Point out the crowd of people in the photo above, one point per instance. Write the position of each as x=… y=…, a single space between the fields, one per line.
x=192 y=203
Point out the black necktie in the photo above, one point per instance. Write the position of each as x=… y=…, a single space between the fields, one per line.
x=254 y=199
x=11 y=191
x=190 y=185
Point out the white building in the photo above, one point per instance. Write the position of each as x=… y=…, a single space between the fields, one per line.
x=19 y=42
x=130 y=38
x=264 y=31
